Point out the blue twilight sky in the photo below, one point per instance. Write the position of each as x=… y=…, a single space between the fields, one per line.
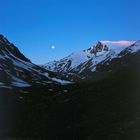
x=69 y=25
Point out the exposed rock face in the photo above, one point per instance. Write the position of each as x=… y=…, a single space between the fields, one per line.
x=99 y=47
x=18 y=71
x=83 y=65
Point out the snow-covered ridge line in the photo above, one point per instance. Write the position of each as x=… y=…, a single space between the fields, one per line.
x=98 y=52
x=122 y=42
x=94 y=60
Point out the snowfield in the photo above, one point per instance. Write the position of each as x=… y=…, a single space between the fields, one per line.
x=101 y=51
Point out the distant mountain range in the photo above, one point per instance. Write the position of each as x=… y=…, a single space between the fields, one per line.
x=89 y=63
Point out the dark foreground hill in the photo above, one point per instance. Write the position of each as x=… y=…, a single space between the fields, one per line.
x=106 y=109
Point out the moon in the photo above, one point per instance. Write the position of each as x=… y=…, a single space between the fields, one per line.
x=53 y=47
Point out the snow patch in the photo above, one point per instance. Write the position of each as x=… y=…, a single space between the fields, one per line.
x=18 y=84
x=63 y=82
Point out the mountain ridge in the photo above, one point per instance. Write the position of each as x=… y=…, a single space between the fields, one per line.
x=18 y=71
x=87 y=60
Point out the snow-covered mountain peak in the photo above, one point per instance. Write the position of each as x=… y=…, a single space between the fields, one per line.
x=135 y=47
x=97 y=49
x=137 y=43
x=74 y=60
x=119 y=43
x=89 y=58
x=118 y=46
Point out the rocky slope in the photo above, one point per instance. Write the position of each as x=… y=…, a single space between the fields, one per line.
x=18 y=71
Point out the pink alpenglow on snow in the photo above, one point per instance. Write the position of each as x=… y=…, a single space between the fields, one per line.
x=122 y=42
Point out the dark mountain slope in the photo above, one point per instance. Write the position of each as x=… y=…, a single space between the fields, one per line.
x=18 y=71
x=104 y=110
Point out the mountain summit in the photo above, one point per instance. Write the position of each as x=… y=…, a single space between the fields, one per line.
x=98 y=48
x=80 y=64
